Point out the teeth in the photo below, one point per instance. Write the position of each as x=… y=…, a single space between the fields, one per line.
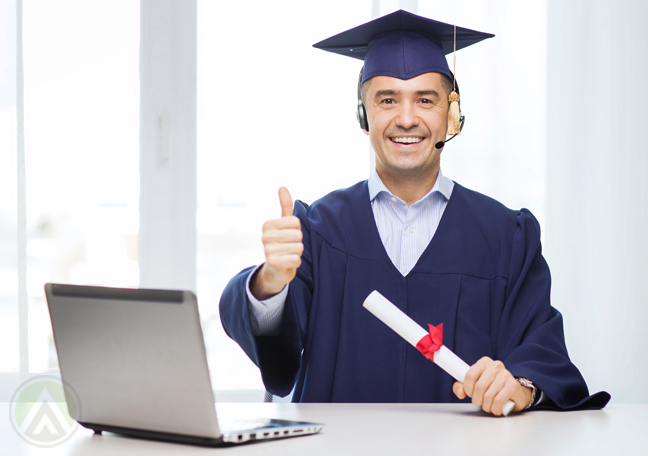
x=407 y=140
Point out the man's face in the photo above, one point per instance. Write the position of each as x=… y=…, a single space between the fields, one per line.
x=406 y=119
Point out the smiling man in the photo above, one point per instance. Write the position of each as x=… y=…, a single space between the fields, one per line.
x=440 y=252
x=407 y=118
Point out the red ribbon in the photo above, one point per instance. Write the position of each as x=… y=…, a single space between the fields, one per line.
x=430 y=343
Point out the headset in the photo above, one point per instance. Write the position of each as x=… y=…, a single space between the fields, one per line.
x=361 y=112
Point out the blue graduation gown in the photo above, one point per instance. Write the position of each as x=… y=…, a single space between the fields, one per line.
x=482 y=275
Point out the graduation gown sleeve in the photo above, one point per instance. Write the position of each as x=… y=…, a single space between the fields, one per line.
x=278 y=357
x=530 y=336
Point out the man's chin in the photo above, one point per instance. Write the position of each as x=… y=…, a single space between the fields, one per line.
x=409 y=169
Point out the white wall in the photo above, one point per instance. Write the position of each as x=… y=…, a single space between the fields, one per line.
x=596 y=238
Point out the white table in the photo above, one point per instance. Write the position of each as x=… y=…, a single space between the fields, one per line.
x=391 y=429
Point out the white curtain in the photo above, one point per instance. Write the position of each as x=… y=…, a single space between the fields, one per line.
x=596 y=238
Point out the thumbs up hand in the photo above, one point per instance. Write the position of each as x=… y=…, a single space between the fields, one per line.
x=283 y=247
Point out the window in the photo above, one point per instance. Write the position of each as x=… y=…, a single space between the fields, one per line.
x=81 y=87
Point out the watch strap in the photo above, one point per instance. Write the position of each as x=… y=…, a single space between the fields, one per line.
x=534 y=390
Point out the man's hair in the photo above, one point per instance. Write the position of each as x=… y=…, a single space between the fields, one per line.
x=447 y=85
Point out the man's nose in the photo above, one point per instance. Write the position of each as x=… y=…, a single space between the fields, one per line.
x=407 y=116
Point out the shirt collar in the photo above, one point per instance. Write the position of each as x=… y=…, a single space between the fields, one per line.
x=442 y=185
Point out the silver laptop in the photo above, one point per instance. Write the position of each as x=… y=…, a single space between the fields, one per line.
x=135 y=360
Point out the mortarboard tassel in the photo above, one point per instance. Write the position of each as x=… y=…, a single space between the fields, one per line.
x=453 y=98
x=453 y=114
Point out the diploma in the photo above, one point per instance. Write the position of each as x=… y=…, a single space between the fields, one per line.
x=429 y=343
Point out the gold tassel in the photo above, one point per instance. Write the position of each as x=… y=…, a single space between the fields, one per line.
x=453 y=114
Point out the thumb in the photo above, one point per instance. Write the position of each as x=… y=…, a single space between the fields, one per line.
x=459 y=391
x=286 y=202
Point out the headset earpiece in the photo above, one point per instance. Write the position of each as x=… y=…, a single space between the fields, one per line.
x=361 y=113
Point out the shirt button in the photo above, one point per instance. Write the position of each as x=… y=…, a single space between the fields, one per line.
x=411 y=230
x=393 y=199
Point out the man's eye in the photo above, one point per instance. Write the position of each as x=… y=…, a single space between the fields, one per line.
x=426 y=101
x=387 y=101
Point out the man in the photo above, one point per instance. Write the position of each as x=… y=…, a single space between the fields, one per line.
x=440 y=252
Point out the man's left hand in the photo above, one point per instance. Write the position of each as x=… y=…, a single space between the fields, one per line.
x=490 y=385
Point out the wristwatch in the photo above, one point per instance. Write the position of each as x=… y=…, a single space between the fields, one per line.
x=534 y=390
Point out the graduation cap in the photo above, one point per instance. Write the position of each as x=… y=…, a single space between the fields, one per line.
x=403 y=45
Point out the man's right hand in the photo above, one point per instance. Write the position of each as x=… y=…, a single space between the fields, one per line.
x=283 y=247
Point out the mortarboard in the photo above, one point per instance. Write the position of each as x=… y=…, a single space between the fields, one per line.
x=403 y=45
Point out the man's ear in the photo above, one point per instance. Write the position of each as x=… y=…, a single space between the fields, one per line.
x=365 y=131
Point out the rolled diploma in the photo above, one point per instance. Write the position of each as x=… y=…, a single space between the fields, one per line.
x=409 y=330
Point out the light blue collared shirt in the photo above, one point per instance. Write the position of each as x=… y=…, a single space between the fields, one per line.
x=405 y=232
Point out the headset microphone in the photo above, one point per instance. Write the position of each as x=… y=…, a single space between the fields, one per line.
x=440 y=144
